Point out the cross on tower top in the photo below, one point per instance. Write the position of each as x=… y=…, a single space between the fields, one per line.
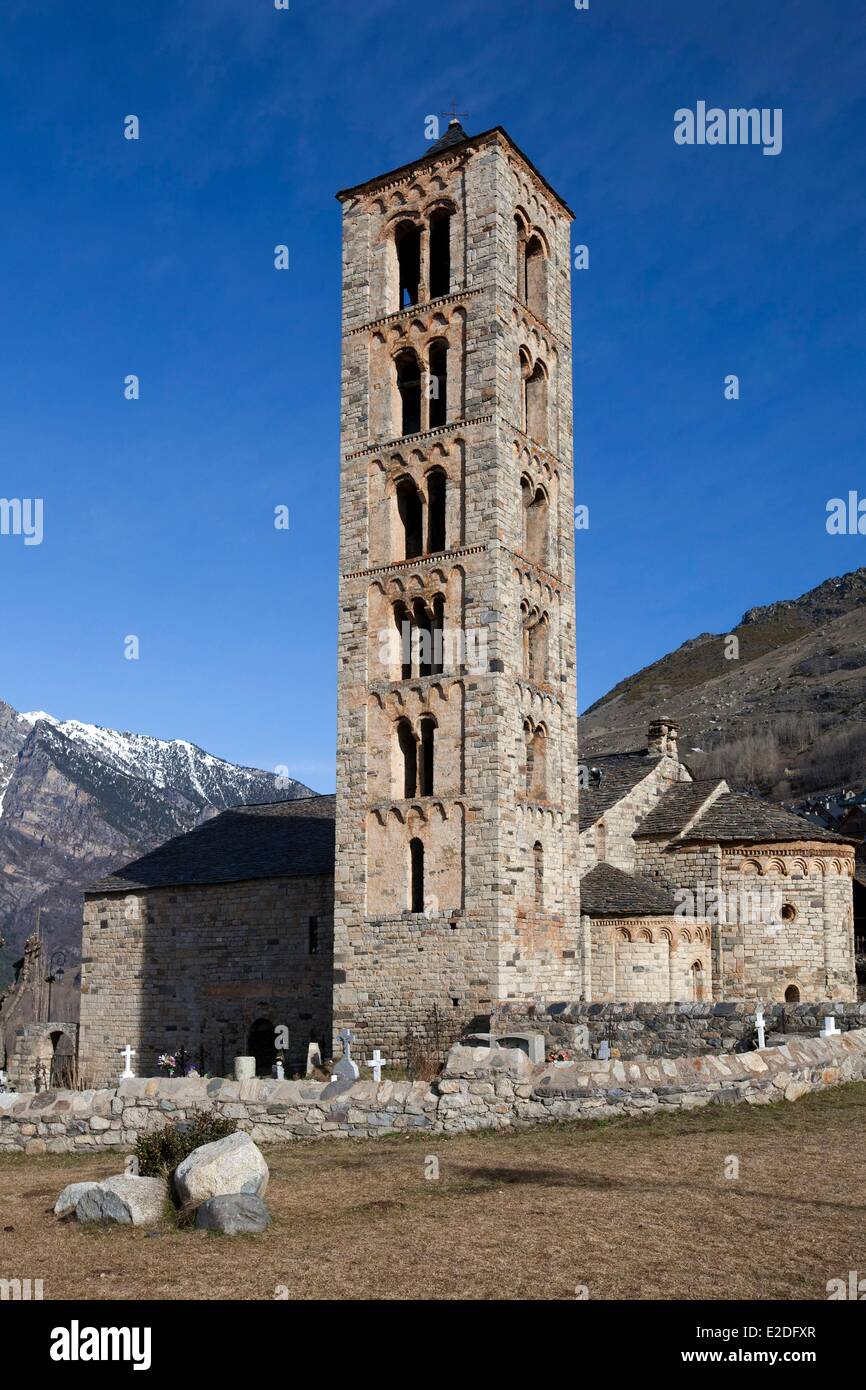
x=454 y=114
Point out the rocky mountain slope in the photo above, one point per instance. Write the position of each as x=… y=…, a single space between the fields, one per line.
x=785 y=716
x=77 y=801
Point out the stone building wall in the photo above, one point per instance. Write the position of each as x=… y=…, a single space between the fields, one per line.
x=501 y=894
x=808 y=946
x=636 y=959
x=195 y=967
x=617 y=826
x=481 y=1089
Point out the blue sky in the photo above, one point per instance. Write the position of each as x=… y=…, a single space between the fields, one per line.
x=155 y=257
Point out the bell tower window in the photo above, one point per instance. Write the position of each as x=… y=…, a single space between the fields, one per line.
x=407 y=241
x=440 y=253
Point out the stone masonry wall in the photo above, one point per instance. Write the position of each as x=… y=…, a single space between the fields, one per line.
x=195 y=967
x=481 y=1089
x=649 y=1030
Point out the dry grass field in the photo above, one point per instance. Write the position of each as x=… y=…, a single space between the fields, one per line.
x=631 y=1209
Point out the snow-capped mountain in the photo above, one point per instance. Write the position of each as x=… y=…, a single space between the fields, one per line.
x=77 y=801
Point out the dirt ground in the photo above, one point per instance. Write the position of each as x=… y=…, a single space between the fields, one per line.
x=626 y=1209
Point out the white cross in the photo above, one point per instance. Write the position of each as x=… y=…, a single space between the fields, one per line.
x=127 y=1053
x=377 y=1064
x=759 y=1024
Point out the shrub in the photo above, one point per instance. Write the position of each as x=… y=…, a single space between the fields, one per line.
x=159 y=1153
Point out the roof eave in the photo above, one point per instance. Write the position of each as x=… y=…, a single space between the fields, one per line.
x=432 y=156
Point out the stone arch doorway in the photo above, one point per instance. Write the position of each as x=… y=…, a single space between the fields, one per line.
x=260 y=1044
x=62 y=1076
x=792 y=995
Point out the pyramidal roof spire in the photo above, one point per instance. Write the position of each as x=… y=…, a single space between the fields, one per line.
x=453 y=136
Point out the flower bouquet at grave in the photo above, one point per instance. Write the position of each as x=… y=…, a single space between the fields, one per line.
x=560 y=1055
x=168 y=1062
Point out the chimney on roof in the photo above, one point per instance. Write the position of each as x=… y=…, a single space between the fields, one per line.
x=662 y=740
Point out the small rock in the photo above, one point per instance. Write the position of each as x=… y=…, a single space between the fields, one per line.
x=68 y=1198
x=233 y=1214
x=224 y=1168
x=124 y=1200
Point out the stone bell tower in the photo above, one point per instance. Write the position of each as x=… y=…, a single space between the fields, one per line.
x=456 y=861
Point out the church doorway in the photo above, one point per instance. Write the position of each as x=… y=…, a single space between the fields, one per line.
x=260 y=1044
x=792 y=995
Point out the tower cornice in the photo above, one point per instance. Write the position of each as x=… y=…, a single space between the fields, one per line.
x=450 y=155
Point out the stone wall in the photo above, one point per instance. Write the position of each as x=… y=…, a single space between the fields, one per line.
x=644 y=959
x=809 y=946
x=195 y=967
x=649 y=1030
x=481 y=1089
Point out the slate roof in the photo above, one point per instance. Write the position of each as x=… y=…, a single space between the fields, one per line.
x=676 y=808
x=620 y=773
x=454 y=135
x=282 y=839
x=608 y=892
x=735 y=816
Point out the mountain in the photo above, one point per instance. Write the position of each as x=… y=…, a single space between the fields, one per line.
x=77 y=801
x=785 y=716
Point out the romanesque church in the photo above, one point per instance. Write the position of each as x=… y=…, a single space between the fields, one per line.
x=455 y=870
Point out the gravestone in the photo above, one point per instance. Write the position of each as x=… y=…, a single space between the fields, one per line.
x=245 y=1069
x=377 y=1063
x=314 y=1058
x=346 y=1069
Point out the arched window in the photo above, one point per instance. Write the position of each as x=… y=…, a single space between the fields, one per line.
x=403 y=621
x=416 y=875
x=438 y=384
x=428 y=733
x=535 y=408
x=410 y=511
x=697 y=974
x=601 y=842
x=539 y=763
x=792 y=995
x=525 y=367
x=527 y=754
x=423 y=637
x=440 y=252
x=520 y=236
x=538 y=651
x=536 y=510
x=436 y=490
x=538 y=869
x=409 y=752
x=526 y=624
x=535 y=283
x=409 y=388
x=437 y=635
x=407 y=240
